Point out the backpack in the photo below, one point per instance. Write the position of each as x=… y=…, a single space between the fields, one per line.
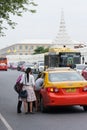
x=18 y=86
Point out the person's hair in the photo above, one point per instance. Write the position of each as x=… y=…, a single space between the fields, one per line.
x=28 y=70
x=39 y=75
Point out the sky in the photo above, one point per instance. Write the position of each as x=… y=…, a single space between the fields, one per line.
x=44 y=24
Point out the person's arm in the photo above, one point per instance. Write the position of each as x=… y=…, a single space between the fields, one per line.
x=22 y=79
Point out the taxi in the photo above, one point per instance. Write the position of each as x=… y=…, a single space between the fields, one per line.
x=63 y=86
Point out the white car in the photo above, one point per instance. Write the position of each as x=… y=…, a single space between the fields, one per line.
x=41 y=66
x=27 y=65
x=80 y=67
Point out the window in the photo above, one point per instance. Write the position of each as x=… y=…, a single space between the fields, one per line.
x=20 y=53
x=31 y=47
x=65 y=76
x=26 y=47
x=20 y=47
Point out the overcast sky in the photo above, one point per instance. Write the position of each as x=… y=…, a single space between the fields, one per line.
x=45 y=23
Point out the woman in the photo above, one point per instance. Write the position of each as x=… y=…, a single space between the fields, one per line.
x=29 y=83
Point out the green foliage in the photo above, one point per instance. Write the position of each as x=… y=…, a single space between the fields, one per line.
x=40 y=50
x=13 y=7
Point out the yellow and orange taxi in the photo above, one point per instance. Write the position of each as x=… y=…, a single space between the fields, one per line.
x=63 y=86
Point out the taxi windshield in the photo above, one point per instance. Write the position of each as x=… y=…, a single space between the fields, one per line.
x=65 y=76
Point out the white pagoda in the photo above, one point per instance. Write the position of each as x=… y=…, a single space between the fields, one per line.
x=62 y=38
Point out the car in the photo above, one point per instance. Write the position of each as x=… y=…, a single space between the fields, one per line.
x=27 y=65
x=14 y=66
x=40 y=66
x=80 y=67
x=84 y=72
x=20 y=63
x=63 y=86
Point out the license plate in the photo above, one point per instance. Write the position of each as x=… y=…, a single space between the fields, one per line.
x=70 y=90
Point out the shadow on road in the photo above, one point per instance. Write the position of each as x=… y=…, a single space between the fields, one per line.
x=65 y=110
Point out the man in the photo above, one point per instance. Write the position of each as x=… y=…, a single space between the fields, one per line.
x=38 y=86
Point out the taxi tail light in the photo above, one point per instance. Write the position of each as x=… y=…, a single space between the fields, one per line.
x=52 y=89
x=85 y=89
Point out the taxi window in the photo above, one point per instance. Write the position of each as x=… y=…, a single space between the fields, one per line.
x=65 y=76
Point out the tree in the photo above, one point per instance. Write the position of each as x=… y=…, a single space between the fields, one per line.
x=40 y=50
x=13 y=7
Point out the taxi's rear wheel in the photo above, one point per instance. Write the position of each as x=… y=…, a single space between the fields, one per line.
x=85 y=108
x=42 y=107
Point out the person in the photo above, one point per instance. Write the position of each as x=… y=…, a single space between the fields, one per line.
x=28 y=84
x=83 y=60
x=38 y=86
x=39 y=82
x=19 y=105
x=39 y=75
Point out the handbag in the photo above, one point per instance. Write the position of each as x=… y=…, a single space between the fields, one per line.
x=23 y=94
x=18 y=87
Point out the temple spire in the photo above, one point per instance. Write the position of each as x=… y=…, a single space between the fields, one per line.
x=62 y=37
x=62 y=27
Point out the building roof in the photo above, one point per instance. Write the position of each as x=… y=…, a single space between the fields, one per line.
x=36 y=41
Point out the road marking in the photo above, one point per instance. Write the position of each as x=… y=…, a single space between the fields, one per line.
x=5 y=122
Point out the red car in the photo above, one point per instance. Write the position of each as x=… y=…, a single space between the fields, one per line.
x=63 y=87
x=84 y=72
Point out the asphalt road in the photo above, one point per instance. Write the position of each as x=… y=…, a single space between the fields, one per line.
x=61 y=118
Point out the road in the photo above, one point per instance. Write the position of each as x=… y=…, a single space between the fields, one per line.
x=61 y=118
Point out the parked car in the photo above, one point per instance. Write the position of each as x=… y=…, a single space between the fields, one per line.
x=40 y=66
x=14 y=66
x=27 y=65
x=80 y=67
x=20 y=65
x=63 y=87
x=84 y=72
